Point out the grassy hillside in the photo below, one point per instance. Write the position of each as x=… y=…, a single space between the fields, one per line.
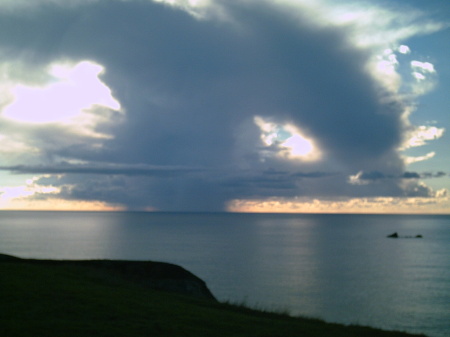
x=79 y=299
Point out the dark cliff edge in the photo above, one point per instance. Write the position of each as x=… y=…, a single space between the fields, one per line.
x=106 y=298
x=155 y=275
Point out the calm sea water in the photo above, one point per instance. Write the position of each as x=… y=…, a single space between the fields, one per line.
x=341 y=268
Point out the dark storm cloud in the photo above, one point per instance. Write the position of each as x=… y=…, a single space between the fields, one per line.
x=128 y=170
x=410 y=175
x=197 y=80
x=378 y=176
x=439 y=174
x=272 y=180
x=36 y=35
x=190 y=89
x=176 y=192
x=326 y=88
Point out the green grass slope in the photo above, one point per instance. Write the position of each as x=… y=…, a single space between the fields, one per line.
x=78 y=299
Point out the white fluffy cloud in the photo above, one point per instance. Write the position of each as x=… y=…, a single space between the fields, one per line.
x=422 y=135
x=68 y=99
x=71 y=95
x=408 y=205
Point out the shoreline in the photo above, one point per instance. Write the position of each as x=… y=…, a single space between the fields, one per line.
x=129 y=297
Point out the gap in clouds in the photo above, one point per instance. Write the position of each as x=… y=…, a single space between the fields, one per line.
x=70 y=97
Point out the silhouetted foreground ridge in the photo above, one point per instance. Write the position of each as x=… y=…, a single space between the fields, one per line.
x=43 y=298
x=155 y=275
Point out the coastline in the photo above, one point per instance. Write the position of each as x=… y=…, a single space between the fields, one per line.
x=133 y=298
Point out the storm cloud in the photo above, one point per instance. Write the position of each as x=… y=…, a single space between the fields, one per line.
x=191 y=85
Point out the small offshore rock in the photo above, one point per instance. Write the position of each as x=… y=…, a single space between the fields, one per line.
x=393 y=235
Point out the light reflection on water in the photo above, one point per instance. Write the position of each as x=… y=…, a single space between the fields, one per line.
x=338 y=267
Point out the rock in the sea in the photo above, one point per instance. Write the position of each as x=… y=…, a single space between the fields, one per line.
x=395 y=236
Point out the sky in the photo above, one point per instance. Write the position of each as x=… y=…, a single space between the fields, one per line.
x=220 y=105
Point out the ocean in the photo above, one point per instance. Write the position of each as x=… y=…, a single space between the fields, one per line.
x=340 y=268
